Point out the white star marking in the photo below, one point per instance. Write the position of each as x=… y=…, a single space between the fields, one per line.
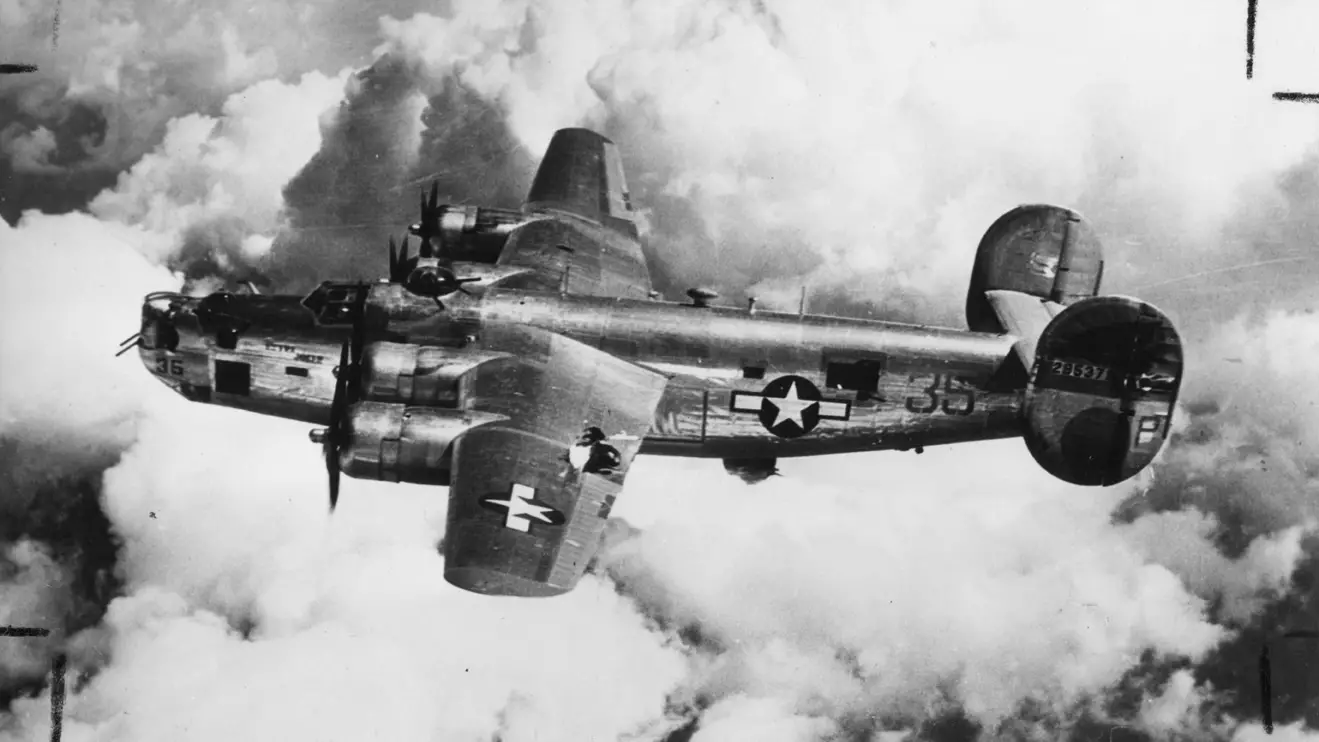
x=790 y=407
x=520 y=509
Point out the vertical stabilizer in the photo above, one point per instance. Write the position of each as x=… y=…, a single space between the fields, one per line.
x=1046 y=252
x=582 y=173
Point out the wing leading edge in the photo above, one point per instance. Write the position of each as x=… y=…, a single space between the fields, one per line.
x=529 y=497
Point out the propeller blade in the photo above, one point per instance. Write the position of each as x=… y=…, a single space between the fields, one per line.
x=347 y=385
x=334 y=436
x=357 y=341
x=340 y=387
x=332 y=467
x=435 y=196
x=398 y=261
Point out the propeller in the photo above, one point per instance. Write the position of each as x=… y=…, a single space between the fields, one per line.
x=332 y=438
x=429 y=225
x=400 y=263
x=347 y=390
x=430 y=273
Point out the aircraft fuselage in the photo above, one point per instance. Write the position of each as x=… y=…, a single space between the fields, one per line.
x=742 y=384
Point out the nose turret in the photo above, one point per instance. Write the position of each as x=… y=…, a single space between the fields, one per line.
x=164 y=330
x=159 y=310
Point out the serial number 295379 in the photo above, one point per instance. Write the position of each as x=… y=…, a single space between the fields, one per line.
x=1078 y=370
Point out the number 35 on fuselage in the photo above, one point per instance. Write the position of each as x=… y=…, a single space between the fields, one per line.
x=520 y=359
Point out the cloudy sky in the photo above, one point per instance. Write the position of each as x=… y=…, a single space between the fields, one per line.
x=181 y=553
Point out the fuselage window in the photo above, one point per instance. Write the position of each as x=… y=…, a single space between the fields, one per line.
x=295 y=371
x=858 y=376
x=232 y=377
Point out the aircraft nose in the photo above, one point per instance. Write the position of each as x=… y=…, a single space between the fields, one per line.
x=158 y=331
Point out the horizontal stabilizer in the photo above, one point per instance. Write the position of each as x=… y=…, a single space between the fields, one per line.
x=1025 y=316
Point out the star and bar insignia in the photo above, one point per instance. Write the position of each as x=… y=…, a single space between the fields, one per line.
x=791 y=406
x=521 y=507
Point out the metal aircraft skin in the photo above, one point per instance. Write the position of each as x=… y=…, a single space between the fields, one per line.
x=521 y=359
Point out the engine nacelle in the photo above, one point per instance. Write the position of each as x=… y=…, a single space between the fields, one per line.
x=431 y=279
x=397 y=443
x=418 y=374
x=476 y=233
x=1100 y=398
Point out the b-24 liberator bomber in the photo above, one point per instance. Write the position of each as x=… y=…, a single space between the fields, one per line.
x=522 y=359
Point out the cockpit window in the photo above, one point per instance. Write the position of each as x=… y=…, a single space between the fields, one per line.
x=333 y=304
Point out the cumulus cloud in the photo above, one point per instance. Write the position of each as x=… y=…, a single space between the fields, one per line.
x=306 y=628
x=67 y=282
x=742 y=717
x=1173 y=708
x=72 y=289
x=34 y=592
x=1285 y=733
x=113 y=75
x=397 y=133
x=213 y=186
x=1184 y=542
x=1246 y=452
x=881 y=157
x=143 y=64
x=96 y=267
x=234 y=164
x=204 y=198
x=996 y=592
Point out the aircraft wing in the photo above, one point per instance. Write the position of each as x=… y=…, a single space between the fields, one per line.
x=529 y=496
